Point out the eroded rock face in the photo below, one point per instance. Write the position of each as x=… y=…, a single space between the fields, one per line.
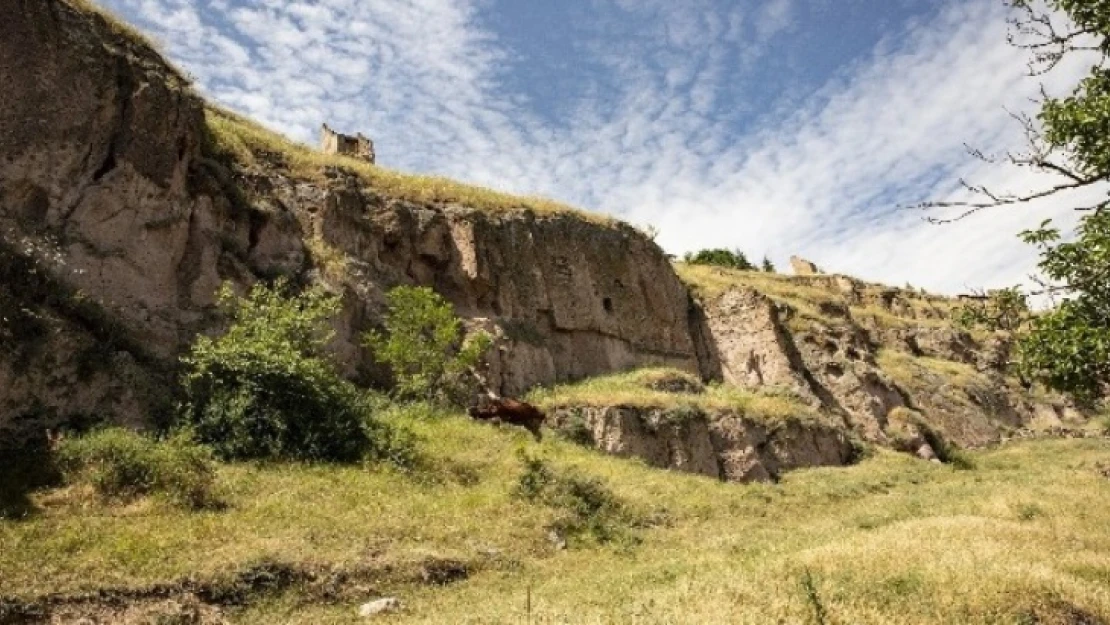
x=830 y=367
x=105 y=188
x=98 y=141
x=728 y=446
x=752 y=345
x=831 y=362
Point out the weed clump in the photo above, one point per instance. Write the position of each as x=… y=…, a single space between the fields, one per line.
x=585 y=506
x=123 y=464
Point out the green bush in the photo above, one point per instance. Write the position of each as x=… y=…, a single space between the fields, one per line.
x=576 y=428
x=721 y=258
x=1000 y=309
x=424 y=347
x=122 y=464
x=265 y=389
x=586 y=506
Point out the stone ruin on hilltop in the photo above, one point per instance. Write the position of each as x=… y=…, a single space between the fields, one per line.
x=803 y=267
x=358 y=146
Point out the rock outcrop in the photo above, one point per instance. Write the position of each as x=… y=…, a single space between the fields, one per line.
x=726 y=445
x=862 y=352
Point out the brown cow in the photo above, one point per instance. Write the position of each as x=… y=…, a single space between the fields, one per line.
x=499 y=410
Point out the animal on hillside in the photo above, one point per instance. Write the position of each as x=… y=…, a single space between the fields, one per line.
x=498 y=410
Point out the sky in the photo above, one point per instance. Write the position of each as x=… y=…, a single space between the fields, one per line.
x=778 y=127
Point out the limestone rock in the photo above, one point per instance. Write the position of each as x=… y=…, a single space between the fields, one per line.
x=376 y=607
x=727 y=445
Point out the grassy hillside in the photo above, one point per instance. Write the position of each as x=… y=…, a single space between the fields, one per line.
x=1021 y=538
x=659 y=388
x=812 y=296
x=241 y=141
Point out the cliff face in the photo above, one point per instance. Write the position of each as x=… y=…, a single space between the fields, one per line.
x=113 y=194
x=864 y=352
x=125 y=202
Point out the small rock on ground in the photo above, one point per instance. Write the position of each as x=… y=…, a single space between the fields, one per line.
x=379 y=606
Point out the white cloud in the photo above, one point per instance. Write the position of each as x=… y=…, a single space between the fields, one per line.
x=654 y=139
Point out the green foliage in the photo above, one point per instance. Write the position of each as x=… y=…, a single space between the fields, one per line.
x=1001 y=309
x=768 y=266
x=264 y=389
x=424 y=348
x=585 y=505
x=721 y=258
x=122 y=464
x=576 y=428
x=1068 y=348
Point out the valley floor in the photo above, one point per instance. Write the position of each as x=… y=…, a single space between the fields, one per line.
x=1022 y=537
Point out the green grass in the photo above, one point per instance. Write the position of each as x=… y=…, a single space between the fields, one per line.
x=891 y=540
x=634 y=389
x=709 y=282
x=246 y=143
x=807 y=295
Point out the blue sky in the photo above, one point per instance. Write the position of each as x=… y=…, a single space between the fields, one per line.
x=776 y=126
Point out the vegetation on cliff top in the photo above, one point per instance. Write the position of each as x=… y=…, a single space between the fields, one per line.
x=235 y=139
x=671 y=389
x=819 y=298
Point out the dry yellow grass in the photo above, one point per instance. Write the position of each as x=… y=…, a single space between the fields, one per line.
x=710 y=281
x=807 y=298
x=634 y=389
x=907 y=369
x=247 y=142
x=114 y=22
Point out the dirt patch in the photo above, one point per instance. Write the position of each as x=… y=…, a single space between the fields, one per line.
x=1058 y=612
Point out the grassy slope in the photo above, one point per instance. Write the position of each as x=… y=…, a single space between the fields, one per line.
x=806 y=297
x=247 y=143
x=633 y=389
x=892 y=540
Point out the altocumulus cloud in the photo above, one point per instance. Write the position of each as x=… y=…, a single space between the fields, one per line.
x=659 y=130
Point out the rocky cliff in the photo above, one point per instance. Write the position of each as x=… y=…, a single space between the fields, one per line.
x=863 y=352
x=125 y=201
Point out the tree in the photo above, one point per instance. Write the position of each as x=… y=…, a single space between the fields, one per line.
x=424 y=346
x=1068 y=347
x=768 y=266
x=720 y=257
x=1000 y=309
